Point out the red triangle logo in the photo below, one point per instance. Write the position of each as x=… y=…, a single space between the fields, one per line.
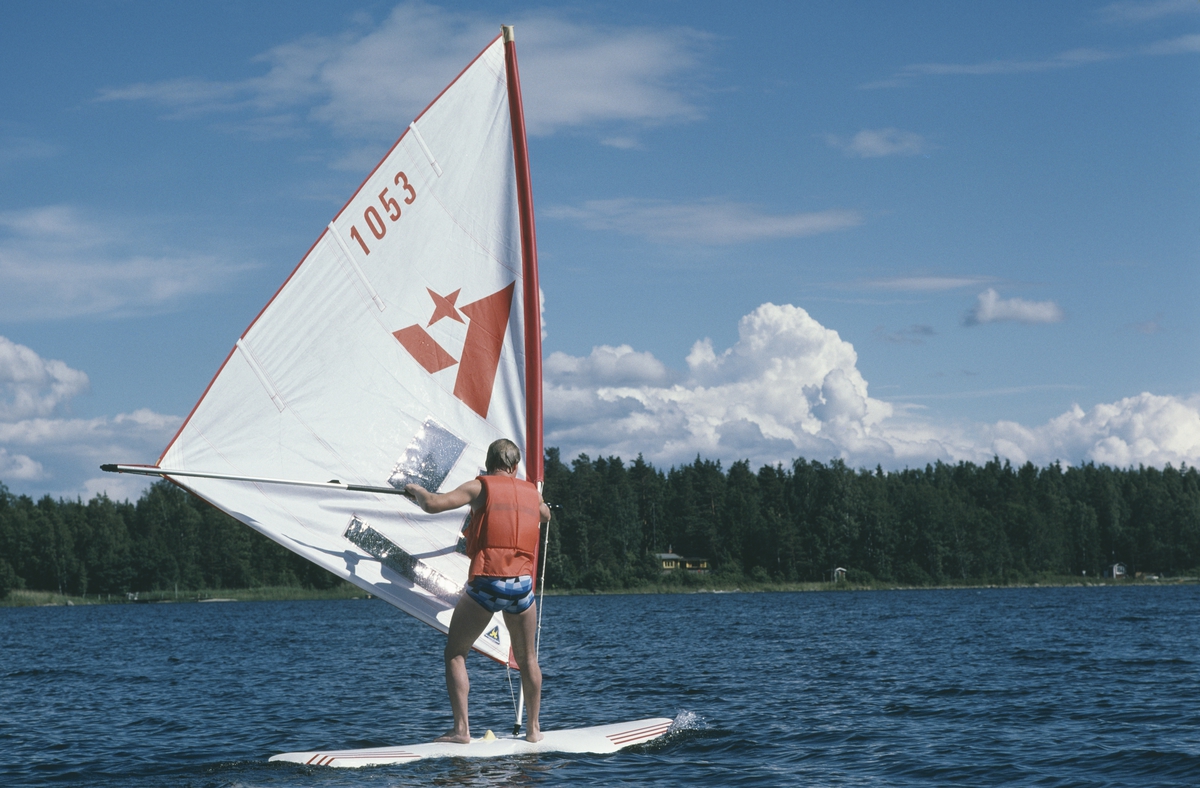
x=481 y=350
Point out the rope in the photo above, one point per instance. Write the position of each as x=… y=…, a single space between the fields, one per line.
x=511 y=694
x=537 y=644
x=537 y=647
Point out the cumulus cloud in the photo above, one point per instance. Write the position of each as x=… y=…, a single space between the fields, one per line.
x=608 y=366
x=708 y=222
x=58 y=261
x=367 y=81
x=790 y=387
x=40 y=443
x=874 y=143
x=991 y=308
x=33 y=386
x=1144 y=430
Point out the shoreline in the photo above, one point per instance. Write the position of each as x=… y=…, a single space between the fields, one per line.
x=25 y=598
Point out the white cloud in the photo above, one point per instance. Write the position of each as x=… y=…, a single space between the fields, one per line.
x=39 y=444
x=1073 y=58
x=14 y=150
x=18 y=466
x=715 y=222
x=364 y=82
x=608 y=366
x=915 y=334
x=66 y=450
x=1147 y=11
x=1144 y=430
x=789 y=387
x=117 y=486
x=1176 y=46
x=57 y=262
x=33 y=386
x=621 y=143
x=874 y=143
x=991 y=308
x=927 y=283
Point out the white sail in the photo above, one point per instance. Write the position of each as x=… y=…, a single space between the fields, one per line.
x=399 y=348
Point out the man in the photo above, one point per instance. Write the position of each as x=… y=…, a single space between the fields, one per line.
x=502 y=543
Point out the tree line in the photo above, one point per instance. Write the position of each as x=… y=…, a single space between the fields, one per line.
x=168 y=540
x=941 y=524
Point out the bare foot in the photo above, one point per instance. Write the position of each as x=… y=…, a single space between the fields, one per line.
x=454 y=738
x=534 y=735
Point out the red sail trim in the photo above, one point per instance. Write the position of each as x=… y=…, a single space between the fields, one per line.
x=533 y=317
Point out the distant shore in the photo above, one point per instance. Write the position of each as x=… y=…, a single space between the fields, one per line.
x=24 y=598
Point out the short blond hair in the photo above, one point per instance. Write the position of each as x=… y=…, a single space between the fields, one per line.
x=502 y=454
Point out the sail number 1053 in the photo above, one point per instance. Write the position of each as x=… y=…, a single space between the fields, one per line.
x=391 y=209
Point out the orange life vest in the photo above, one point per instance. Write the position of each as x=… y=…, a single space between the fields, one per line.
x=502 y=537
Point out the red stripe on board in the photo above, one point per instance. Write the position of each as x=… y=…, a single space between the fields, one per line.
x=643 y=729
x=324 y=759
x=534 y=463
x=624 y=737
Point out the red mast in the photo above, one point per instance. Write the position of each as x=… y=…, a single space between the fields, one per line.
x=533 y=317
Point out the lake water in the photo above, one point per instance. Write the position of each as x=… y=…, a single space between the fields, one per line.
x=1048 y=687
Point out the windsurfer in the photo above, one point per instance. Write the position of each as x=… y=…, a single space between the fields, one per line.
x=502 y=543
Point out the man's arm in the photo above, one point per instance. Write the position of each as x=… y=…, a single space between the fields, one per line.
x=466 y=494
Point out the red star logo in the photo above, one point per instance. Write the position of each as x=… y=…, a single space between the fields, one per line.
x=443 y=306
x=481 y=348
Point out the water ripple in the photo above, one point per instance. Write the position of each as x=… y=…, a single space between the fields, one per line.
x=1045 y=687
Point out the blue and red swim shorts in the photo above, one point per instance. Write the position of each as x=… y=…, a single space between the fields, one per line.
x=502 y=594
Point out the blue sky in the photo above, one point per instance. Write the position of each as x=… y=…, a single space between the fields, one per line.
x=891 y=233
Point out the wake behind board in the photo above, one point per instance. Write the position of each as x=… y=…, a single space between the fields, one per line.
x=598 y=739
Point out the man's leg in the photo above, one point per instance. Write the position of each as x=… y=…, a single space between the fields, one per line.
x=522 y=628
x=466 y=625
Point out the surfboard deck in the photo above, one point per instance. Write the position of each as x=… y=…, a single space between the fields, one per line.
x=598 y=739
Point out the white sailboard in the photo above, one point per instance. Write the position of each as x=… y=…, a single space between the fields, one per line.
x=599 y=739
x=405 y=342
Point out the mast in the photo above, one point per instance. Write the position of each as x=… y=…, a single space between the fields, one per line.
x=534 y=465
x=534 y=454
